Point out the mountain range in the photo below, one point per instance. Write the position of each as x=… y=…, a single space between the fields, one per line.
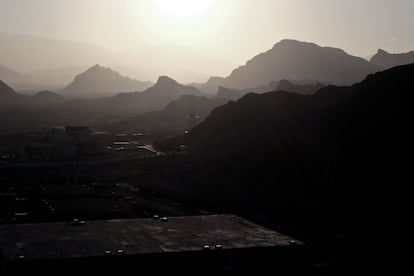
x=265 y=116
x=300 y=87
x=154 y=98
x=297 y=59
x=10 y=99
x=98 y=82
x=188 y=111
x=288 y=59
x=179 y=116
x=291 y=59
x=322 y=163
x=48 y=109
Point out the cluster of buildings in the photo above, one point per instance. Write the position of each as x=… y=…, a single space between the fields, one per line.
x=79 y=143
x=61 y=144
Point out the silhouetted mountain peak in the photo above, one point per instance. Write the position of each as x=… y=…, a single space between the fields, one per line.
x=215 y=80
x=292 y=59
x=98 y=69
x=381 y=51
x=313 y=48
x=102 y=81
x=166 y=81
x=166 y=85
x=387 y=60
x=292 y=43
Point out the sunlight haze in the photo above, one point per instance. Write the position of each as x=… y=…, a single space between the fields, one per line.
x=228 y=31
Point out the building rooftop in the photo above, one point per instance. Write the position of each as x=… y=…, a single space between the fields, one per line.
x=81 y=239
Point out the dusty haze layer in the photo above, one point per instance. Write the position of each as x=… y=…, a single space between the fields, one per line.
x=138 y=37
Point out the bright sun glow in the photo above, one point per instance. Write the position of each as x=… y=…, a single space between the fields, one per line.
x=182 y=8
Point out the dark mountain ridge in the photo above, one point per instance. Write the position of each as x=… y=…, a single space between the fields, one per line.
x=324 y=162
x=300 y=87
x=10 y=99
x=303 y=89
x=178 y=117
x=291 y=59
x=387 y=60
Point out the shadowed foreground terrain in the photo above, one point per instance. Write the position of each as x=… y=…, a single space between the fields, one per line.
x=321 y=165
x=317 y=167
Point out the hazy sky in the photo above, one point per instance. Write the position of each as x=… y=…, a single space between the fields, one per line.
x=234 y=30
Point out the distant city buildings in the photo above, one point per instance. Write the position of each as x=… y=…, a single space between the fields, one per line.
x=79 y=143
x=60 y=144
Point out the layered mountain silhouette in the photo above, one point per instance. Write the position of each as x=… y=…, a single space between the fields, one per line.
x=48 y=109
x=291 y=59
x=28 y=82
x=300 y=87
x=154 y=98
x=303 y=89
x=325 y=162
x=387 y=60
x=48 y=97
x=10 y=99
x=99 y=81
x=179 y=116
x=210 y=87
x=229 y=94
x=264 y=116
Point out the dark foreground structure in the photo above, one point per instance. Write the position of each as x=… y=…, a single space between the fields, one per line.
x=200 y=244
